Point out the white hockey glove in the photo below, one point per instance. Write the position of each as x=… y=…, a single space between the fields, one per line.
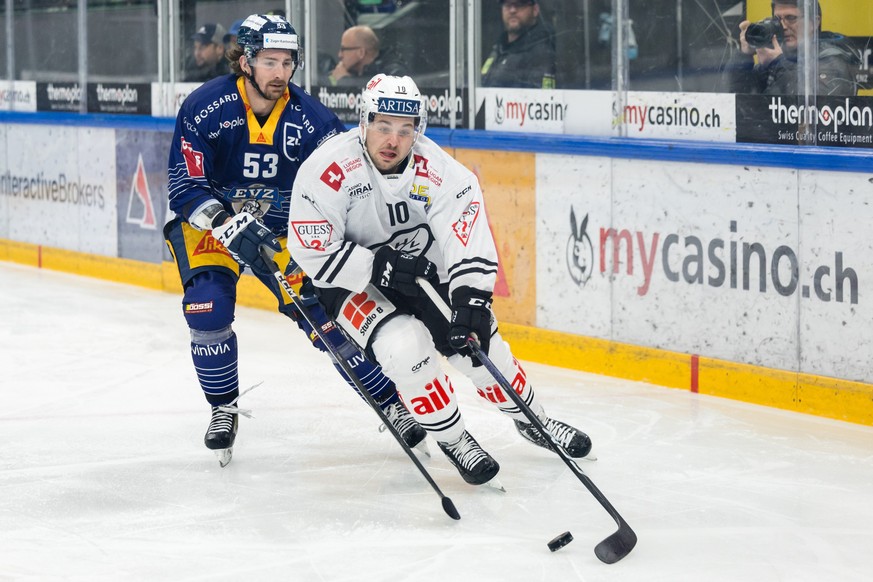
x=244 y=236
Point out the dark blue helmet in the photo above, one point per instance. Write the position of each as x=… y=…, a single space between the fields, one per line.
x=269 y=31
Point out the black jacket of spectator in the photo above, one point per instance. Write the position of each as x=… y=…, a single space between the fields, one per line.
x=837 y=65
x=200 y=74
x=527 y=62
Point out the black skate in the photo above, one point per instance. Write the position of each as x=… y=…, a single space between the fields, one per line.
x=473 y=463
x=222 y=432
x=575 y=442
x=411 y=432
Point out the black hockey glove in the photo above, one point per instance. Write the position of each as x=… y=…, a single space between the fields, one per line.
x=244 y=236
x=471 y=314
x=393 y=269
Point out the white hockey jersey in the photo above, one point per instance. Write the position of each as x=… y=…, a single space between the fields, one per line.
x=343 y=209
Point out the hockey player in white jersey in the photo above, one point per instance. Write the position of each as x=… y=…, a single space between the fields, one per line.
x=380 y=205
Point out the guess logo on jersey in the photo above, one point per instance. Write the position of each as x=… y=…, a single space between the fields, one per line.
x=312 y=234
x=193 y=160
x=333 y=176
x=464 y=227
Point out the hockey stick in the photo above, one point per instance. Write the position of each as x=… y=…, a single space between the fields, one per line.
x=341 y=358
x=617 y=545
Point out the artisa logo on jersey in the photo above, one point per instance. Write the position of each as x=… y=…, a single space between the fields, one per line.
x=312 y=234
x=394 y=106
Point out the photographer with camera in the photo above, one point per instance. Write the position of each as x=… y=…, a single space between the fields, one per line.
x=777 y=42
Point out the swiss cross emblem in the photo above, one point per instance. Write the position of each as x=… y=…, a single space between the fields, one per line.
x=333 y=176
x=193 y=160
x=464 y=226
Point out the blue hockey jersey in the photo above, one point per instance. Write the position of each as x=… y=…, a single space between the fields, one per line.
x=221 y=151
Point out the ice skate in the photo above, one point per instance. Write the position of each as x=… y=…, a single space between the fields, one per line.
x=574 y=442
x=222 y=432
x=475 y=465
x=411 y=432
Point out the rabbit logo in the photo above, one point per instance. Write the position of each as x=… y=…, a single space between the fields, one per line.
x=580 y=251
x=498 y=112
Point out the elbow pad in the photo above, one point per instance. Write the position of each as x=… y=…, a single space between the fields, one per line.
x=208 y=215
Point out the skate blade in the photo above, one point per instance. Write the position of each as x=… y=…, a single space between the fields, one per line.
x=495 y=484
x=224 y=456
x=423 y=448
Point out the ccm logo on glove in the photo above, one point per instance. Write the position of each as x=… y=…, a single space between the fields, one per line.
x=393 y=269
x=471 y=317
x=244 y=236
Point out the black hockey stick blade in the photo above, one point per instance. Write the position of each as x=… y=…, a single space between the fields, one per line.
x=616 y=546
x=343 y=363
x=451 y=510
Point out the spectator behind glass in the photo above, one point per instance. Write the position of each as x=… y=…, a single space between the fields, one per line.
x=776 y=72
x=524 y=56
x=360 y=58
x=232 y=33
x=208 y=58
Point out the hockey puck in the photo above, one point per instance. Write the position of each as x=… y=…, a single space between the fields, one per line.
x=560 y=541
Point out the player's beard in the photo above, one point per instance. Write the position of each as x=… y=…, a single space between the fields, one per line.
x=274 y=89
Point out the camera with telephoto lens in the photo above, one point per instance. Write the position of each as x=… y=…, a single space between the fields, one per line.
x=760 y=34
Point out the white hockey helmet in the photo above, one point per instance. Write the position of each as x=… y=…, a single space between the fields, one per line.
x=390 y=95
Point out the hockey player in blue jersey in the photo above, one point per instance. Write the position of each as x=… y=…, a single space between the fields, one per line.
x=238 y=143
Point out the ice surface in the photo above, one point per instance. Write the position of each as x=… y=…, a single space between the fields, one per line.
x=103 y=474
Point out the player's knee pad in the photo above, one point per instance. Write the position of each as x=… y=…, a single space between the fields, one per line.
x=207 y=337
x=405 y=350
x=209 y=301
